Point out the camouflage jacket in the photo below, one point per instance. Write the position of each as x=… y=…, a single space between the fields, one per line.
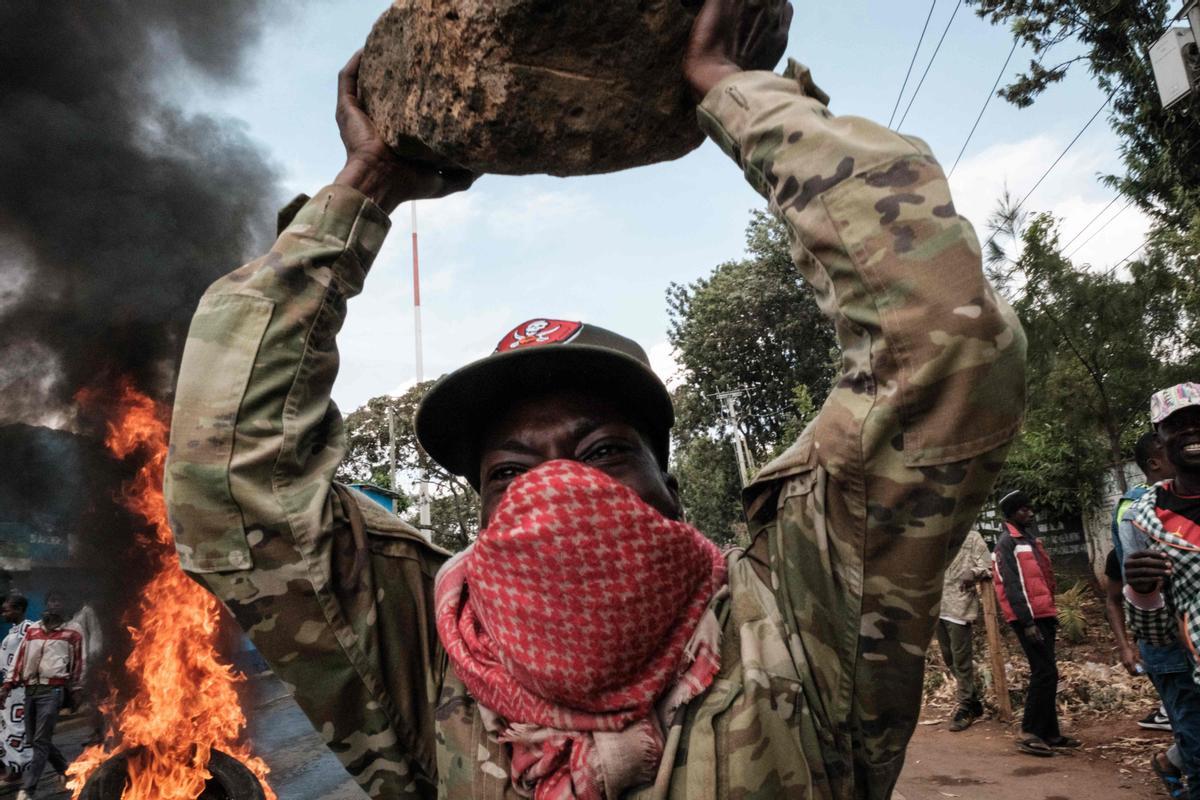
x=831 y=611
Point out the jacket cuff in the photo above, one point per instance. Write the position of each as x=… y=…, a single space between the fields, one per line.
x=342 y=214
x=731 y=106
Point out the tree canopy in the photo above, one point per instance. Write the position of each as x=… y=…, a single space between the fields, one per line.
x=751 y=324
x=1099 y=346
x=1112 y=39
x=1100 y=340
x=454 y=506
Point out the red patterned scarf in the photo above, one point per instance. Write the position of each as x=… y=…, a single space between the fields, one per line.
x=578 y=620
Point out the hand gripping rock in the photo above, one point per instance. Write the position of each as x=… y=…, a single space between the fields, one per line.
x=565 y=87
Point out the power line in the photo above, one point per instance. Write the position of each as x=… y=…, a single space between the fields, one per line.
x=986 y=102
x=933 y=58
x=1132 y=253
x=1066 y=150
x=1099 y=230
x=1107 y=100
x=1050 y=168
x=1124 y=208
x=1091 y=222
x=908 y=74
x=1146 y=240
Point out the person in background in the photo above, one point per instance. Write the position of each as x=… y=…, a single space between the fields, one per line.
x=1155 y=467
x=1114 y=612
x=48 y=664
x=1024 y=581
x=1160 y=537
x=14 y=749
x=1168 y=664
x=960 y=608
x=87 y=622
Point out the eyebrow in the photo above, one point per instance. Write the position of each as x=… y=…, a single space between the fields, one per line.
x=577 y=432
x=514 y=446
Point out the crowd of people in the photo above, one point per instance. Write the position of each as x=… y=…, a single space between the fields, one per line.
x=1152 y=582
x=45 y=666
x=1023 y=579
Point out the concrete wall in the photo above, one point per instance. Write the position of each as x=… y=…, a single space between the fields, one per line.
x=1097 y=523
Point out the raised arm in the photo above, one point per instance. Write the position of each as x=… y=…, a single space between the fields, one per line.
x=862 y=513
x=255 y=441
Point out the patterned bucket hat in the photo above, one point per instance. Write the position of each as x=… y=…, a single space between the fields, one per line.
x=1165 y=403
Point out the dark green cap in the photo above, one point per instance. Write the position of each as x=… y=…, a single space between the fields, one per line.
x=538 y=356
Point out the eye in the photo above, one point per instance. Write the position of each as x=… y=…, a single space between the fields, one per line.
x=505 y=472
x=605 y=450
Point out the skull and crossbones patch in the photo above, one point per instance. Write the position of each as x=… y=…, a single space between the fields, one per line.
x=537 y=332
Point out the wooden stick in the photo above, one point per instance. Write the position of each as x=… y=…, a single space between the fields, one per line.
x=995 y=649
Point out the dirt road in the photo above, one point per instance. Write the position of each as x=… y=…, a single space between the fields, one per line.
x=982 y=763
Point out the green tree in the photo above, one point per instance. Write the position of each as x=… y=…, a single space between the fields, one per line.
x=1114 y=39
x=709 y=486
x=750 y=324
x=454 y=505
x=1100 y=343
x=1098 y=347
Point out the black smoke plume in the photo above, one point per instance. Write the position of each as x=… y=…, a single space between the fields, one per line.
x=117 y=209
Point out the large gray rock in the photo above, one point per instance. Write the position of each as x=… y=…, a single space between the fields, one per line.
x=565 y=87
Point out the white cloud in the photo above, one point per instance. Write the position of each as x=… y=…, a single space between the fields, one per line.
x=529 y=213
x=665 y=363
x=403 y=387
x=1071 y=192
x=519 y=213
x=445 y=216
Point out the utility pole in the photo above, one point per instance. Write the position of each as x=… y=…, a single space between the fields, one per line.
x=391 y=419
x=728 y=402
x=423 y=485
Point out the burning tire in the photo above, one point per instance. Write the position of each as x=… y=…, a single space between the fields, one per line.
x=230 y=780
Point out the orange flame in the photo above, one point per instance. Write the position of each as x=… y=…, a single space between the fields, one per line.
x=185 y=703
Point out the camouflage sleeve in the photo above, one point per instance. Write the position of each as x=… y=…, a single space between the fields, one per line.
x=863 y=512
x=255 y=441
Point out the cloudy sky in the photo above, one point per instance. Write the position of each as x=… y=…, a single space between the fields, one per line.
x=604 y=248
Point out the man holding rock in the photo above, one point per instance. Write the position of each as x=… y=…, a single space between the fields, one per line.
x=591 y=644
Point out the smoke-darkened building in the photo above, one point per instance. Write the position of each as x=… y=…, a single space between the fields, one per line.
x=55 y=505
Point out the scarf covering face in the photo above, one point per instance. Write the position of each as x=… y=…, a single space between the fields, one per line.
x=579 y=609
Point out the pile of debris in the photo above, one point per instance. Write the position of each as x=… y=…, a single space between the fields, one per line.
x=1087 y=689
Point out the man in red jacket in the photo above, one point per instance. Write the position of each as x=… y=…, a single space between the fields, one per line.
x=1024 y=582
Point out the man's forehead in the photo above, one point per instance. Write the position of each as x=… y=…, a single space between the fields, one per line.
x=1183 y=415
x=567 y=413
